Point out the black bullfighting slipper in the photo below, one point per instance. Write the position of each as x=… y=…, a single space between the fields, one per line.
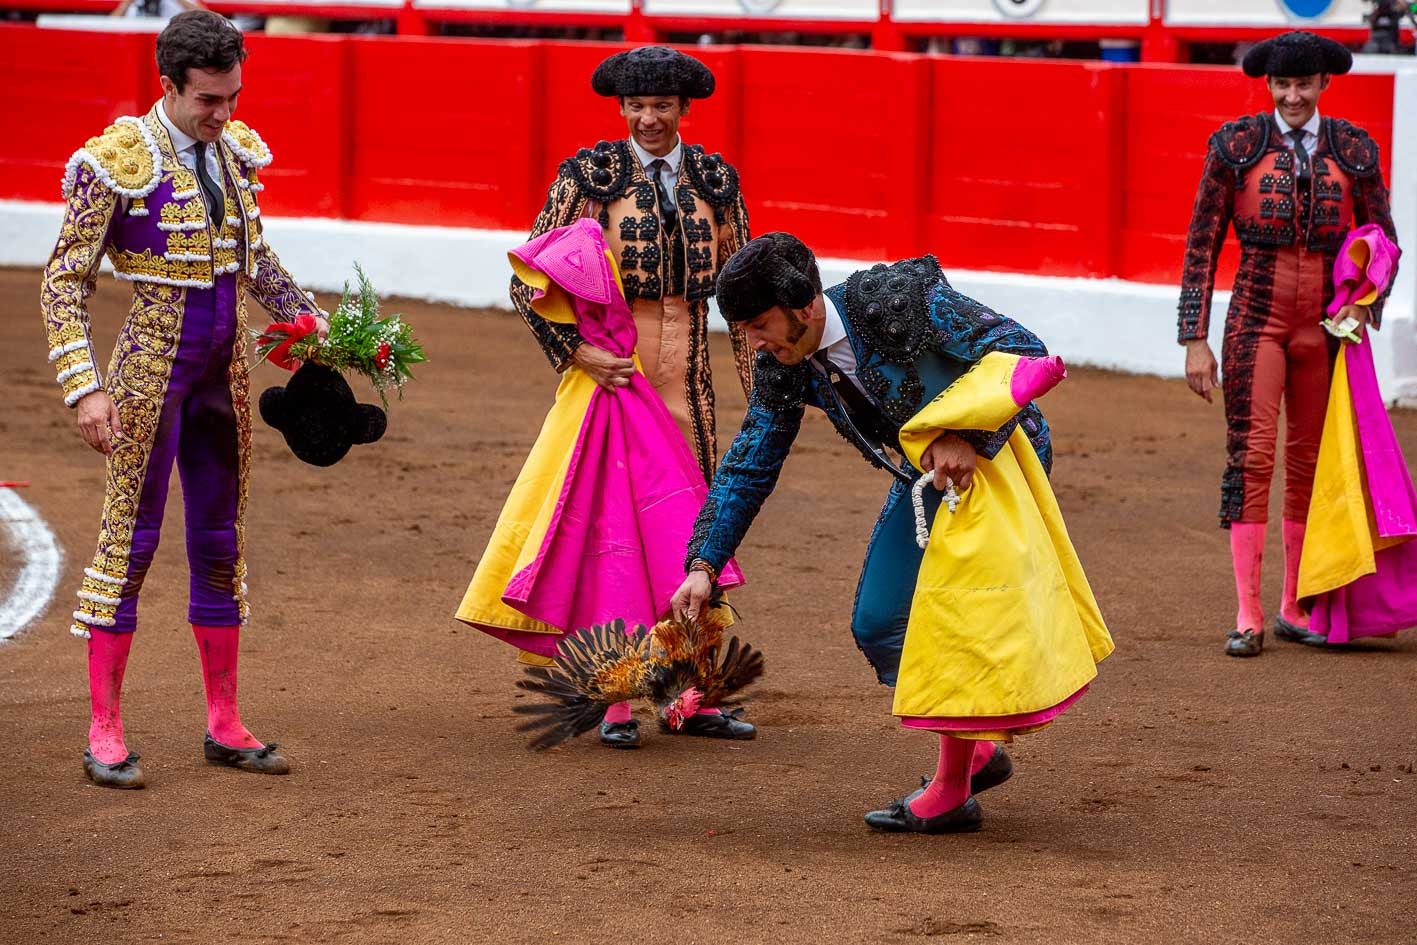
x=263 y=760
x=1245 y=642
x=620 y=734
x=998 y=769
x=897 y=818
x=722 y=725
x=124 y=775
x=1296 y=634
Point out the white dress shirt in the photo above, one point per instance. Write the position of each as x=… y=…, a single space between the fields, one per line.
x=186 y=147
x=836 y=346
x=1311 y=131
x=670 y=176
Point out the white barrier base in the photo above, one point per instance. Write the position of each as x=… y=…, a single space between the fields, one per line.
x=1108 y=323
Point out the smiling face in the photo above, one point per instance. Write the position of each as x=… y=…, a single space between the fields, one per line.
x=1297 y=97
x=205 y=103
x=654 y=120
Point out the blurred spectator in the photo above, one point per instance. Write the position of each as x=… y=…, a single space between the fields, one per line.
x=166 y=9
x=295 y=25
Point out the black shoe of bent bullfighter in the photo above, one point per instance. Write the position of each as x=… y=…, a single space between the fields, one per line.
x=620 y=734
x=898 y=818
x=722 y=724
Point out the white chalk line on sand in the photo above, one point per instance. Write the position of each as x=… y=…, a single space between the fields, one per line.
x=39 y=564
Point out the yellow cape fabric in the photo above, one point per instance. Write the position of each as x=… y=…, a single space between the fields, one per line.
x=528 y=511
x=532 y=503
x=1361 y=252
x=1003 y=621
x=1340 y=537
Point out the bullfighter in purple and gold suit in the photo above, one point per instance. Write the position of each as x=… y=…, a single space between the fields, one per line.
x=171 y=197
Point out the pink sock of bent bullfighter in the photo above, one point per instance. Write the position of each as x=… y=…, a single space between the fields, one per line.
x=950 y=787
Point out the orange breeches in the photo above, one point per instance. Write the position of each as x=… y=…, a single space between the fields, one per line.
x=1274 y=349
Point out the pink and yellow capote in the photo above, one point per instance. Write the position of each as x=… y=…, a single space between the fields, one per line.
x=1358 y=569
x=1004 y=634
x=596 y=525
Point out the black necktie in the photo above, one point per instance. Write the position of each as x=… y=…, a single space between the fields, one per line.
x=863 y=413
x=667 y=211
x=1301 y=157
x=216 y=203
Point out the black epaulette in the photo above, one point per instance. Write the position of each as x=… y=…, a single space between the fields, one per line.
x=1352 y=147
x=714 y=178
x=600 y=173
x=889 y=307
x=779 y=386
x=1242 y=142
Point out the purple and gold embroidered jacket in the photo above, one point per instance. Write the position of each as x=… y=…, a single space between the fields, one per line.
x=128 y=195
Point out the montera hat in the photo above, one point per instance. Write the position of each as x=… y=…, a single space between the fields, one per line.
x=774 y=269
x=1297 y=53
x=319 y=416
x=652 y=70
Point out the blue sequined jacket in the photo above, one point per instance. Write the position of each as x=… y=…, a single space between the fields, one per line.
x=913 y=335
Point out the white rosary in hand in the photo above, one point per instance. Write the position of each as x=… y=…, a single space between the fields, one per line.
x=917 y=499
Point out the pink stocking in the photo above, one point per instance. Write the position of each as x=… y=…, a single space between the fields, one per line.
x=950 y=787
x=618 y=714
x=1293 y=545
x=983 y=753
x=1247 y=554
x=218 y=648
x=108 y=658
x=1034 y=377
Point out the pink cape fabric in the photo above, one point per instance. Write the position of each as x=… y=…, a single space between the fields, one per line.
x=616 y=544
x=1352 y=280
x=996 y=723
x=1385 y=601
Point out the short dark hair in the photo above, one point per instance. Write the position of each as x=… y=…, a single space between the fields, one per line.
x=198 y=39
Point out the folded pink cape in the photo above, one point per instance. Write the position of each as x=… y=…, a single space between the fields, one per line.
x=616 y=544
x=1364 y=267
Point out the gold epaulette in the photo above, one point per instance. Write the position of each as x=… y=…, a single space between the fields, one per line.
x=246 y=144
x=125 y=157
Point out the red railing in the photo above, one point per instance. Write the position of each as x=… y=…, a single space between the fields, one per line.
x=1049 y=167
x=1158 y=41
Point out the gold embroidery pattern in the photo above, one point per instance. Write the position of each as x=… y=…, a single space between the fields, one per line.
x=241 y=406
x=137 y=381
x=176 y=213
x=193 y=243
x=145 y=267
x=124 y=155
x=72 y=273
x=247 y=144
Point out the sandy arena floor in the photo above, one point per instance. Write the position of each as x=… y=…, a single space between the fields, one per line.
x=1189 y=798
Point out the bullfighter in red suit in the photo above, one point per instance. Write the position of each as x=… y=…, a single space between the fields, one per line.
x=1293 y=183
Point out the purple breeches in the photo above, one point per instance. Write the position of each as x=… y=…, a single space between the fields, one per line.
x=197 y=428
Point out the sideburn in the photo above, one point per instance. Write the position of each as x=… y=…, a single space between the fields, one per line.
x=796 y=328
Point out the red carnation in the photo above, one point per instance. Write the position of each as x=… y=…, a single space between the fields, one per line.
x=381 y=357
x=291 y=332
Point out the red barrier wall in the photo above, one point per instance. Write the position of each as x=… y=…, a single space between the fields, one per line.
x=1056 y=168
